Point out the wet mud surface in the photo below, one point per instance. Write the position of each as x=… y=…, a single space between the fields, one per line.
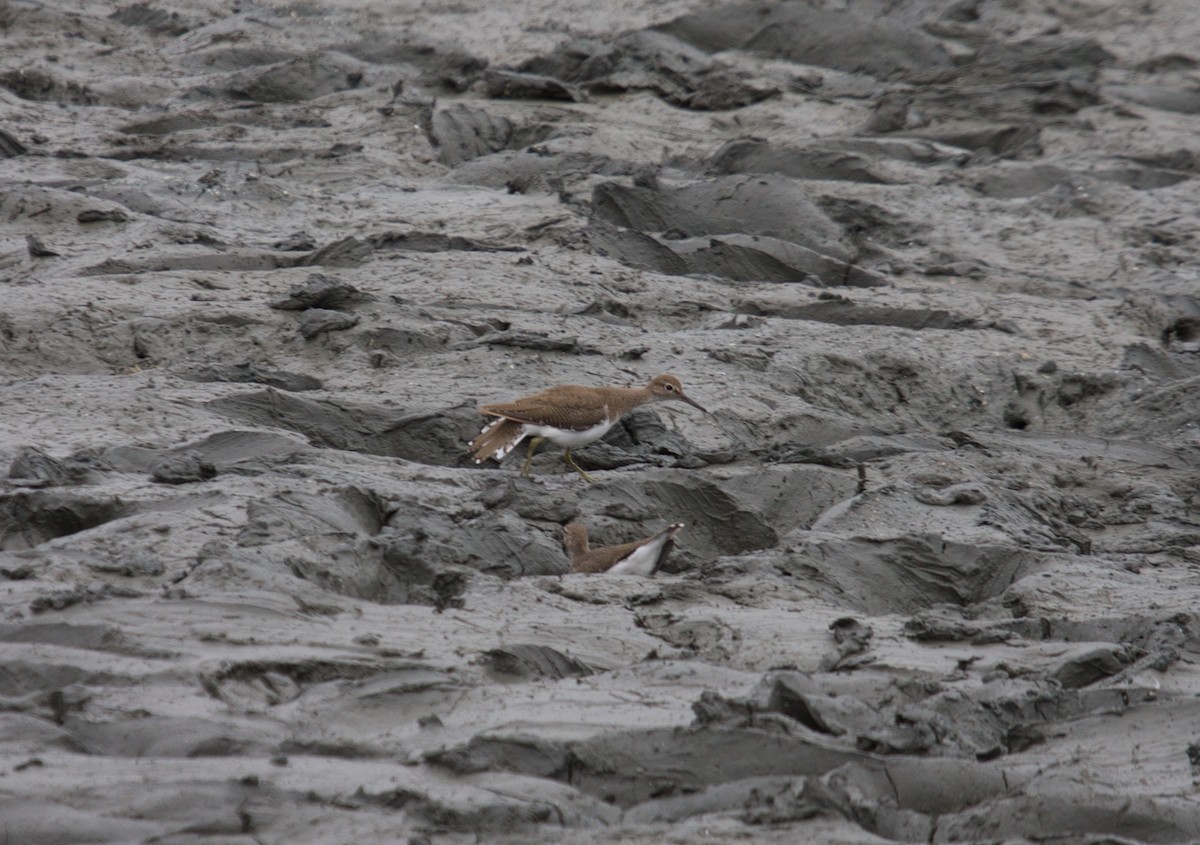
x=931 y=267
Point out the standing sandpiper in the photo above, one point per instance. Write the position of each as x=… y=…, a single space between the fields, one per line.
x=569 y=415
x=641 y=557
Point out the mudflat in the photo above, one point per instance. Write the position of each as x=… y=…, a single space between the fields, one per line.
x=931 y=267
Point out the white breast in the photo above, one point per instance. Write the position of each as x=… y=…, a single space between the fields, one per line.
x=569 y=439
x=643 y=559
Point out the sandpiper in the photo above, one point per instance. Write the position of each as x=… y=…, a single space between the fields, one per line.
x=569 y=415
x=641 y=557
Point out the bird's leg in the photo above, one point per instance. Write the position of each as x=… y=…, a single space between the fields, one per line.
x=571 y=463
x=533 y=444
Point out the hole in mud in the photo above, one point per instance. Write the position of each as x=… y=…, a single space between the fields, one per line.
x=1016 y=420
x=30 y=519
x=1184 y=330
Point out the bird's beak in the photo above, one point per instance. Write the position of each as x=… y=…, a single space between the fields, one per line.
x=693 y=403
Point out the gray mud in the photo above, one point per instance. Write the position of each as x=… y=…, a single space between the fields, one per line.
x=931 y=266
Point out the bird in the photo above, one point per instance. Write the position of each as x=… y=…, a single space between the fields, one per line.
x=569 y=415
x=641 y=557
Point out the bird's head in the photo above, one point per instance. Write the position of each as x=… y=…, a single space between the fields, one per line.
x=667 y=387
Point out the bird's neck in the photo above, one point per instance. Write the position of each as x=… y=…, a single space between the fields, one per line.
x=576 y=541
x=620 y=400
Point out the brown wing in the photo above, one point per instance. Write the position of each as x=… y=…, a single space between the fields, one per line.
x=590 y=562
x=603 y=559
x=575 y=409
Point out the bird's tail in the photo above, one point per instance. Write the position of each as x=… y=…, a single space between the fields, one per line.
x=497 y=439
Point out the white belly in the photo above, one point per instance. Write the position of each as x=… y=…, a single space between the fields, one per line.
x=642 y=561
x=569 y=439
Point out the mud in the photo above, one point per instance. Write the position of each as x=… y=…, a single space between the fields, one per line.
x=932 y=268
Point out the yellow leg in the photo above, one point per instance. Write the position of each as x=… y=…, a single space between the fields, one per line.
x=571 y=463
x=533 y=444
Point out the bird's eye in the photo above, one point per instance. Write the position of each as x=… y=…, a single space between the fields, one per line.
x=670 y=387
